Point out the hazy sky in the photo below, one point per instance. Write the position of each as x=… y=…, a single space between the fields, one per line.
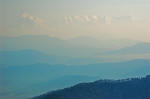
x=73 y=18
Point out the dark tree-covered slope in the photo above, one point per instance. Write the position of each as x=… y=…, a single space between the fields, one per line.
x=135 y=88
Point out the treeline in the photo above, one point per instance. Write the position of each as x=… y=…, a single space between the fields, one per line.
x=135 y=88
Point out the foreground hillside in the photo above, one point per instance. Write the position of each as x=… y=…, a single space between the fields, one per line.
x=136 y=88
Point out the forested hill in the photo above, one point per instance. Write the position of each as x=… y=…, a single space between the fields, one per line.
x=135 y=88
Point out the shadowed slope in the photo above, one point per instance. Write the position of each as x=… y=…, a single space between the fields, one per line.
x=136 y=88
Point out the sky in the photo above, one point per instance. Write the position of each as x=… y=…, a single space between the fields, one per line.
x=66 y=19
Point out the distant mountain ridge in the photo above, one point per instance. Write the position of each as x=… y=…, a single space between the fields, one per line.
x=28 y=63
x=139 y=48
x=24 y=57
x=81 y=46
x=135 y=88
x=80 y=50
x=36 y=78
x=29 y=56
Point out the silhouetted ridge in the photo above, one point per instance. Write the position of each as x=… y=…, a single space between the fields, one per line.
x=134 y=88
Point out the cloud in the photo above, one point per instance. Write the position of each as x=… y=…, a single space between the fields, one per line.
x=25 y=15
x=34 y=19
x=87 y=19
x=72 y=19
x=99 y=19
x=38 y=22
x=79 y=18
x=68 y=19
x=95 y=17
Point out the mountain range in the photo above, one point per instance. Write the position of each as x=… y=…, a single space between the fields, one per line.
x=81 y=46
x=134 y=88
x=30 y=56
x=30 y=80
x=31 y=65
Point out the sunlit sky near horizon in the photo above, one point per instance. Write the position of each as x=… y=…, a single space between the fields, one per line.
x=111 y=19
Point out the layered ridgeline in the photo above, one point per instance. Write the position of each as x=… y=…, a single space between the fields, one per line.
x=80 y=50
x=21 y=82
x=31 y=65
x=135 y=88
